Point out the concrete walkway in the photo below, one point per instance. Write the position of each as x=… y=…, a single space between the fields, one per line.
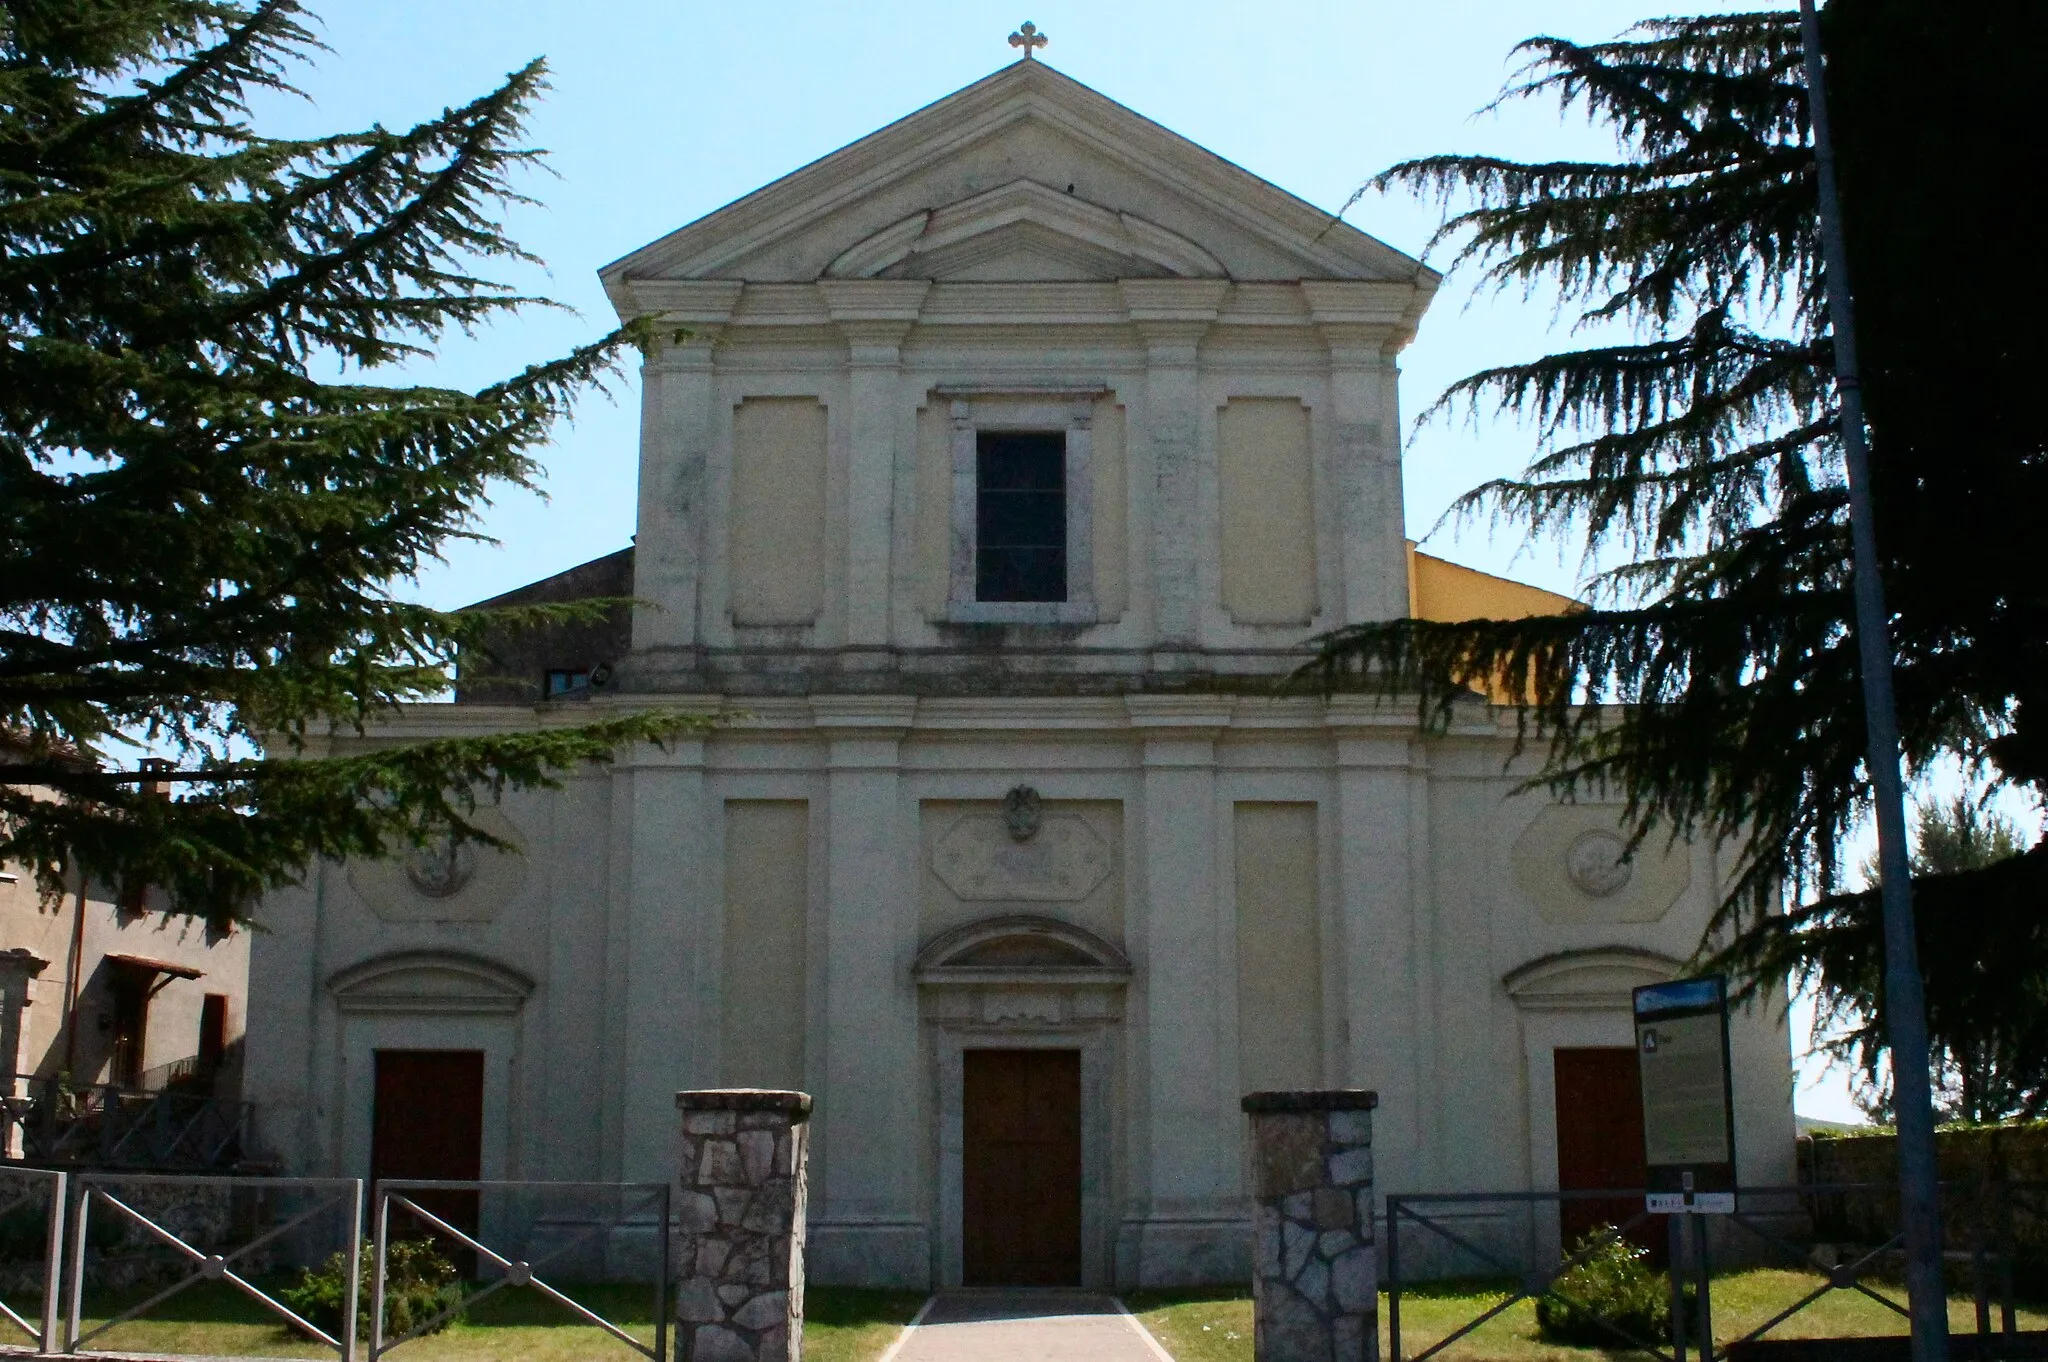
x=1025 y=1326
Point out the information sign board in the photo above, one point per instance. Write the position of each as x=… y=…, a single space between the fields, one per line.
x=1688 y=1105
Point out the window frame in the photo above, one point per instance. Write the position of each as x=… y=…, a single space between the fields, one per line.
x=1069 y=412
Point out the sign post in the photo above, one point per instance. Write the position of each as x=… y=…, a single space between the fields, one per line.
x=1688 y=1128
x=1688 y=1105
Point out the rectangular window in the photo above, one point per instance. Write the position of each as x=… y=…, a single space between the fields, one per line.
x=213 y=1032
x=1020 y=521
x=564 y=681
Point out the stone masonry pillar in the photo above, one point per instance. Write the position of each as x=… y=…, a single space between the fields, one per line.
x=1315 y=1273
x=739 y=1253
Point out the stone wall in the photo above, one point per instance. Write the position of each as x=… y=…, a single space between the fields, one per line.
x=739 y=1249
x=1995 y=1191
x=1315 y=1277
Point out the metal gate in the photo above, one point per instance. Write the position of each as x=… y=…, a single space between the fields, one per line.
x=632 y=1199
x=330 y=1196
x=19 y=1187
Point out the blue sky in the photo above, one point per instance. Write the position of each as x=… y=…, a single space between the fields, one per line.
x=662 y=112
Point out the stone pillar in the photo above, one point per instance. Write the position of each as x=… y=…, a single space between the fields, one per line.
x=739 y=1250
x=17 y=967
x=1315 y=1276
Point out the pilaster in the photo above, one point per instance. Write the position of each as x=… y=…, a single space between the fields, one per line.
x=868 y=1153
x=1378 y=764
x=874 y=315
x=1364 y=325
x=667 y=1003
x=1172 y=316
x=676 y=407
x=1188 y=1142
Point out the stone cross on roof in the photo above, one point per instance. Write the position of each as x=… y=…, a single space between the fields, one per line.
x=1028 y=37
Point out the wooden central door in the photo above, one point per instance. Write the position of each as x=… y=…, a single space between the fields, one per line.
x=1021 y=1173
x=428 y=1123
x=1600 y=1143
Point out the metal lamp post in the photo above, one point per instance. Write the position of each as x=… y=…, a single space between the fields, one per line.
x=1905 y=1006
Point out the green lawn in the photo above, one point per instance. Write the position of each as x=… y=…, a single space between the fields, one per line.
x=212 y=1319
x=1217 y=1327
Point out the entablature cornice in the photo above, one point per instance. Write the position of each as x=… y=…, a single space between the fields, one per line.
x=704 y=302
x=1160 y=309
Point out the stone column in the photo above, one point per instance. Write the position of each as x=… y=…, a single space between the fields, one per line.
x=739 y=1251
x=1315 y=1276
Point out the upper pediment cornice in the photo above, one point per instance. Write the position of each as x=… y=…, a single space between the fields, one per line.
x=718 y=243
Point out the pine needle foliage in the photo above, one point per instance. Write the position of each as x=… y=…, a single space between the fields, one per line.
x=206 y=501
x=1713 y=684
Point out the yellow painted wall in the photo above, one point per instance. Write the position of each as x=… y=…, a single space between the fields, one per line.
x=1266 y=475
x=776 y=546
x=1440 y=590
x=1279 y=954
x=767 y=898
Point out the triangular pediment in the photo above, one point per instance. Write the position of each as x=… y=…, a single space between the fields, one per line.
x=1025 y=175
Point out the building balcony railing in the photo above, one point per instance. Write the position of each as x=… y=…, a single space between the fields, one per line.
x=173 y=1127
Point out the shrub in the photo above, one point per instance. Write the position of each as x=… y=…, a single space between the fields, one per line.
x=419 y=1283
x=1608 y=1299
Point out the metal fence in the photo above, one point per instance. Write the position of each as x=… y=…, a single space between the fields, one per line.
x=1512 y=1239
x=339 y=1199
x=232 y=1230
x=49 y=1120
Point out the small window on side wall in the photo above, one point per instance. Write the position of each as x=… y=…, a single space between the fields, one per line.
x=561 y=681
x=1020 y=516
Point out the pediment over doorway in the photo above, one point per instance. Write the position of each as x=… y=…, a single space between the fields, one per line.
x=1601 y=978
x=430 y=982
x=1020 y=971
x=1023 y=946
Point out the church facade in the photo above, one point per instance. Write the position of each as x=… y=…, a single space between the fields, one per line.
x=1002 y=463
